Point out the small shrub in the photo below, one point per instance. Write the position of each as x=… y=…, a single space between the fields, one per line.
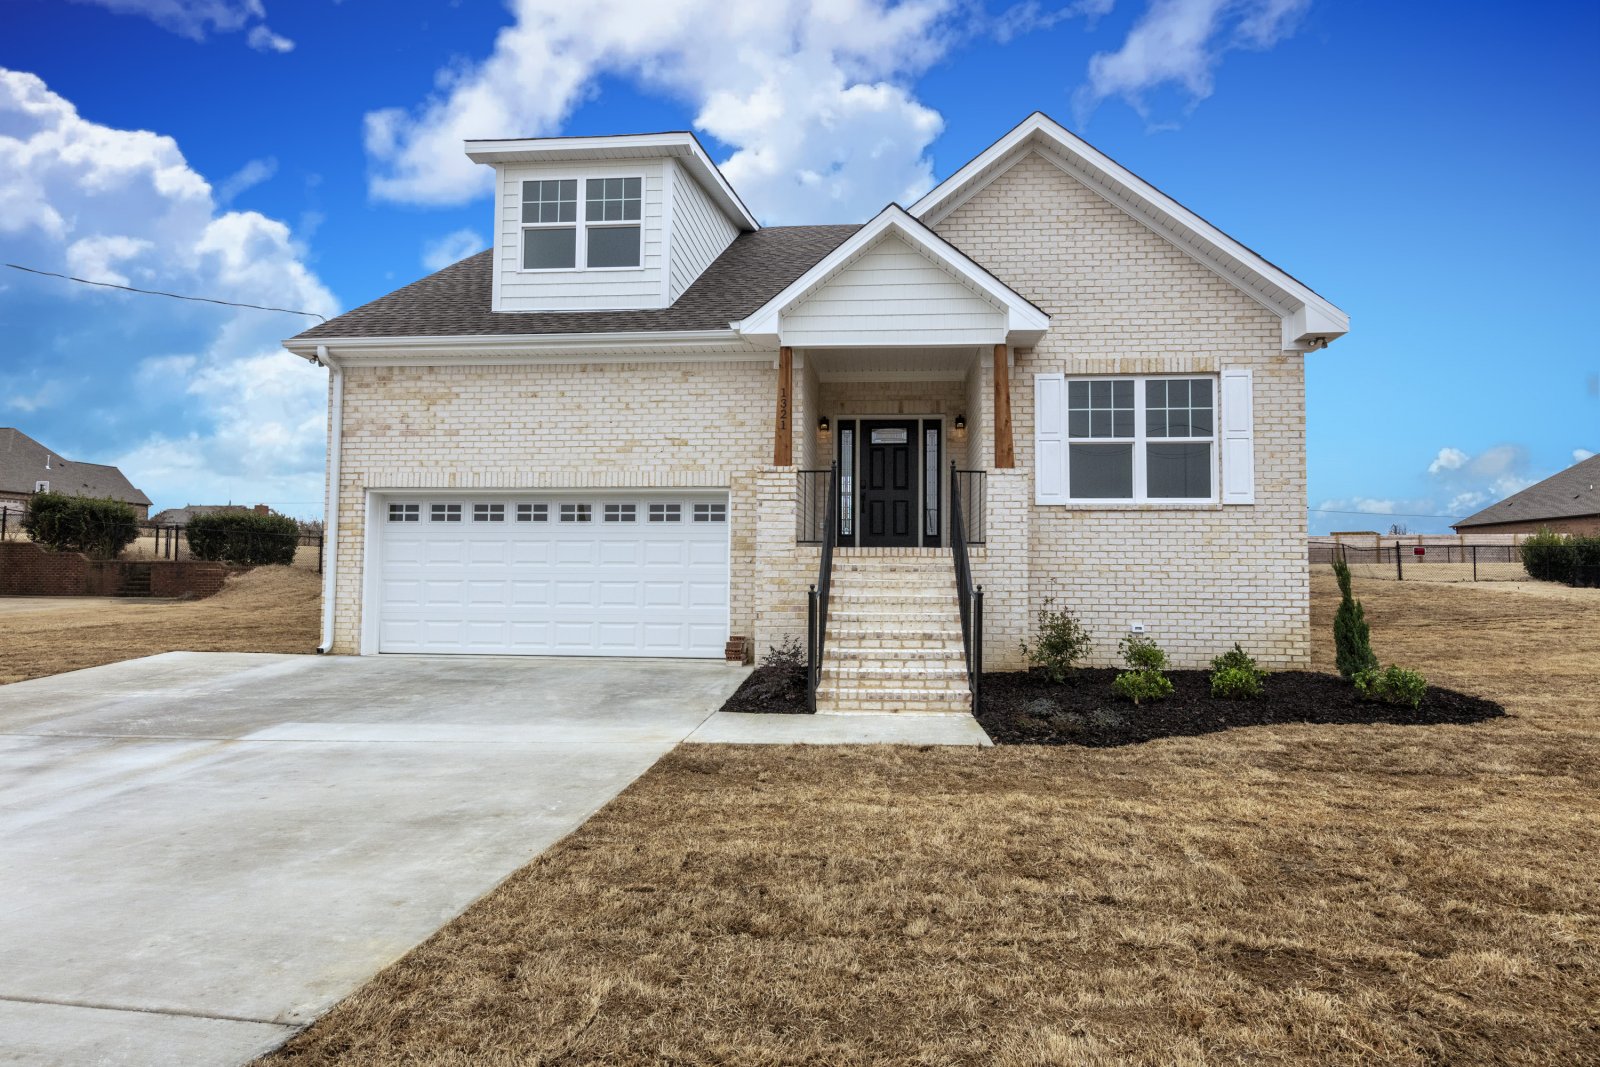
x=1144 y=679
x=98 y=528
x=1236 y=683
x=1392 y=685
x=1061 y=642
x=1235 y=676
x=1141 y=685
x=786 y=655
x=1140 y=653
x=1352 y=640
x=243 y=537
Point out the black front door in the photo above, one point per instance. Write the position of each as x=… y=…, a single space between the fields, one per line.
x=888 y=483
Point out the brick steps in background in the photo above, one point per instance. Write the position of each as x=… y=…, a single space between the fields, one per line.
x=894 y=635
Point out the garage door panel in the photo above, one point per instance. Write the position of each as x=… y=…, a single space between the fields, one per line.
x=552 y=588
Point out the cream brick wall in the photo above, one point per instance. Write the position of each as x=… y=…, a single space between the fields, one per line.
x=646 y=425
x=1123 y=300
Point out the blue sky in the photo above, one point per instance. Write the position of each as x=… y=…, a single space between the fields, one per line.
x=1428 y=167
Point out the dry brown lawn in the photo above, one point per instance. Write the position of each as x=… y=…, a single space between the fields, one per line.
x=269 y=609
x=1327 y=895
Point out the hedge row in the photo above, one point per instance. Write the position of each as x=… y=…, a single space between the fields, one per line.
x=95 y=527
x=243 y=537
x=1551 y=557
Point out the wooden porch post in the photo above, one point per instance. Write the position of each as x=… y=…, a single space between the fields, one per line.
x=1004 y=455
x=782 y=432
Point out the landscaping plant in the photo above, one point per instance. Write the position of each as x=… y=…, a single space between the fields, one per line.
x=1548 y=556
x=243 y=537
x=1351 y=639
x=1062 y=642
x=1145 y=678
x=1392 y=685
x=98 y=528
x=1235 y=676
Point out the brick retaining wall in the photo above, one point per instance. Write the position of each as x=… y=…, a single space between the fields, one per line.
x=28 y=570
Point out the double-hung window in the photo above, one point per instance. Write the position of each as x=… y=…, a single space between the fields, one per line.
x=550 y=224
x=1142 y=440
x=607 y=235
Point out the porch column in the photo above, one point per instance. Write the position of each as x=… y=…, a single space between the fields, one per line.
x=1004 y=456
x=782 y=431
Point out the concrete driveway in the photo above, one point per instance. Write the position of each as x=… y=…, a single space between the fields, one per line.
x=203 y=851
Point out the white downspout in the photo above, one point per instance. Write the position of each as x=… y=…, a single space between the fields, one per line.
x=330 y=518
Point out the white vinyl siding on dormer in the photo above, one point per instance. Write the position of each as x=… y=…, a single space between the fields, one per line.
x=594 y=289
x=894 y=294
x=700 y=231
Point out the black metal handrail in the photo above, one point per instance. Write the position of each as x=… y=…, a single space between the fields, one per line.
x=817 y=608
x=968 y=597
x=975 y=494
x=810 y=505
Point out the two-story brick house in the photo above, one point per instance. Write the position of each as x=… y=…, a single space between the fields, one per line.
x=624 y=429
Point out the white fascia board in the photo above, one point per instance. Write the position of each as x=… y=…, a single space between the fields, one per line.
x=1025 y=323
x=1328 y=320
x=683 y=146
x=516 y=348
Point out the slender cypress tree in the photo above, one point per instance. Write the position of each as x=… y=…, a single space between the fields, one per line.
x=1351 y=639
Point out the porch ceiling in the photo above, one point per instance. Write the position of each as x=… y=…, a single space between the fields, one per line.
x=950 y=364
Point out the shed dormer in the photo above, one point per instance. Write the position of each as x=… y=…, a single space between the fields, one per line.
x=605 y=223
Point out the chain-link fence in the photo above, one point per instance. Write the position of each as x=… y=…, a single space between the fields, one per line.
x=1440 y=561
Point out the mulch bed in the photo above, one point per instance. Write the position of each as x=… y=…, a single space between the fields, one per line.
x=1026 y=708
x=771 y=691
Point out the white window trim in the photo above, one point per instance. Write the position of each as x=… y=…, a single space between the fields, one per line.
x=1139 y=440
x=580 y=253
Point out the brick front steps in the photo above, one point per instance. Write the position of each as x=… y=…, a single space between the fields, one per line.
x=894 y=634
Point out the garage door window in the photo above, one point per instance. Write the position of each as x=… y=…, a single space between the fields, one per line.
x=445 y=513
x=575 y=513
x=405 y=512
x=620 y=513
x=666 y=512
x=533 y=512
x=488 y=513
x=711 y=513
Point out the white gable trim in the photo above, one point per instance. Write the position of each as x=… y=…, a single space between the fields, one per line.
x=1025 y=323
x=1309 y=320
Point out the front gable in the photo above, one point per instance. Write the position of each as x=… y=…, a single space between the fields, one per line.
x=892 y=293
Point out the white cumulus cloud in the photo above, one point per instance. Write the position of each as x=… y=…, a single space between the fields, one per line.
x=1448 y=459
x=196 y=19
x=1181 y=43
x=1581 y=454
x=451 y=248
x=813 y=96
x=263 y=39
x=222 y=403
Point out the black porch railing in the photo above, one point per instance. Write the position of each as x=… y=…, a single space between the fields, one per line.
x=974 y=489
x=969 y=598
x=810 y=506
x=817 y=609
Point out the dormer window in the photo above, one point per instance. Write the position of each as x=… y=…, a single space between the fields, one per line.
x=612 y=229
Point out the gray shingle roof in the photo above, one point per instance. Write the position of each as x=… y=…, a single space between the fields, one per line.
x=1573 y=492
x=23 y=463
x=455 y=301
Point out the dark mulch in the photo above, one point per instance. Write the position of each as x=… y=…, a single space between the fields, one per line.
x=772 y=690
x=1026 y=708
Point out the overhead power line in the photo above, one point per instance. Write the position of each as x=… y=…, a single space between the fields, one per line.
x=157 y=292
x=1383 y=514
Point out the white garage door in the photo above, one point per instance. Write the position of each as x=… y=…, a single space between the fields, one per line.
x=561 y=575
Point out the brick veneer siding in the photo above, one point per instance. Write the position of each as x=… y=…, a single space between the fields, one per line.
x=551 y=426
x=28 y=570
x=1123 y=300
x=1585 y=525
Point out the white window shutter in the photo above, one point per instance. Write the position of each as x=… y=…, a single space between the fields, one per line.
x=1050 y=438
x=1238 y=437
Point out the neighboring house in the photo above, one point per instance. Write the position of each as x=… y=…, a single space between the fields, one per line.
x=27 y=467
x=1567 y=503
x=593 y=439
x=181 y=516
